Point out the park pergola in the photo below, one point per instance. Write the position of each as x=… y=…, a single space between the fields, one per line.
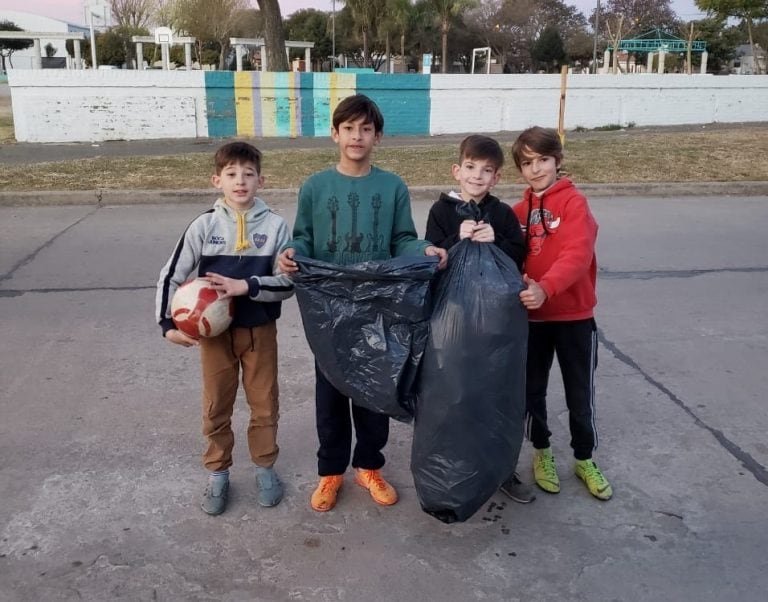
x=661 y=42
x=37 y=36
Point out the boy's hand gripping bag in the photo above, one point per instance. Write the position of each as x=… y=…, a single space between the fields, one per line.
x=471 y=397
x=367 y=326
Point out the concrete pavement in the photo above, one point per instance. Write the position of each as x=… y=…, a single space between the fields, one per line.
x=100 y=435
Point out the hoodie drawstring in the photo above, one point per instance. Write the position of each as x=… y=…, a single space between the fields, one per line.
x=242 y=242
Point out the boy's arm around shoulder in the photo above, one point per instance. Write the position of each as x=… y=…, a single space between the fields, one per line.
x=179 y=268
x=278 y=286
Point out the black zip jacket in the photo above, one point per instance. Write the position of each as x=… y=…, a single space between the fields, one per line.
x=446 y=215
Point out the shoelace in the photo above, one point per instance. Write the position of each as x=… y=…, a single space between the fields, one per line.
x=378 y=481
x=593 y=472
x=328 y=484
x=547 y=464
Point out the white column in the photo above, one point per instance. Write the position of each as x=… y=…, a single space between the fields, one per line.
x=239 y=57
x=662 y=55
x=166 y=53
x=704 y=57
x=188 y=55
x=37 y=59
x=78 y=55
x=307 y=60
x=140 y=56
x=607 y=61
x=263 y=53
x=649 y=63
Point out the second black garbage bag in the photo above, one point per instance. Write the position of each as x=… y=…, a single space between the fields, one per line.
x=470 y=408
x=367 y=326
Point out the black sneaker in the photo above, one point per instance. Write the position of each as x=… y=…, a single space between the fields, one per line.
x=516 y=490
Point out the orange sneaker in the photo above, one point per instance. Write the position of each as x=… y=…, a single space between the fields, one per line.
x=324 y=497
x=382 y=492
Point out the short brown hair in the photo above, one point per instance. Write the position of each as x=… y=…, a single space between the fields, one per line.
x=481 y=147
x=543 y=141
x=237 y=152
x=355 y=107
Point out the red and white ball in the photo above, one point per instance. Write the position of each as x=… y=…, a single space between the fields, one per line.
x=198 y=311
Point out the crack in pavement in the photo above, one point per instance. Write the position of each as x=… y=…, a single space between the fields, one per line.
x=747 y=461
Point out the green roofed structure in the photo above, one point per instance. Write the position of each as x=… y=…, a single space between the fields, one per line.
x=657 y=40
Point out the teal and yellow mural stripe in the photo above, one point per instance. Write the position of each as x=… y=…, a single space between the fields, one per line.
x=293 y=104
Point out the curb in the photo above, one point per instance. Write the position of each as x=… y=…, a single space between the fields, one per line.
x=418 y=193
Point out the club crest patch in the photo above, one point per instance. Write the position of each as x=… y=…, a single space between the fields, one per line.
x=259 y=240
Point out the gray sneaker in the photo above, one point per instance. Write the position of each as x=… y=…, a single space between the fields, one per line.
x=518 y=491
x=215 y=496
x=270 y=487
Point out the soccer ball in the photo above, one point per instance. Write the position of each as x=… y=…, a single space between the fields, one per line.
x=198 y=311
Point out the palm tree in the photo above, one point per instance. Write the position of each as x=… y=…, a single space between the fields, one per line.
x=446 y=10
x=364 y=14
x=400 y=14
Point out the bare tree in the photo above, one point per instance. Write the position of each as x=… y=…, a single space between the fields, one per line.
x=210 y=21
x=131 y=17
x=132 y=13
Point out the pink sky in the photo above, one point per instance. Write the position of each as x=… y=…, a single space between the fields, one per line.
x=72 y=10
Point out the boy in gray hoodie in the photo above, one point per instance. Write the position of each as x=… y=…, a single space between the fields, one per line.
x=234 y=246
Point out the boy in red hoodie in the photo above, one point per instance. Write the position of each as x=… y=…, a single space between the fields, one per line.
x=561 y=273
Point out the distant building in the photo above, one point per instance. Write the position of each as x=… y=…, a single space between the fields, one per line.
x=22 y=59
x=744 y=63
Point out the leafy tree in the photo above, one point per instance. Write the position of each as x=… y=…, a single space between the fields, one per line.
x=512 y=27
x=50 y=50
x=747 y=11
x=110 y=48
x=549 y=50
x=721 y=43
x=8 y=47
x=312 y=26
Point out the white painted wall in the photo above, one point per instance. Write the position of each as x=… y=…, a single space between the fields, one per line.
x=70 y=106
x=493 y=103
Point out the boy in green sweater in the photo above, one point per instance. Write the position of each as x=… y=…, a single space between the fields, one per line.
x=347 y=214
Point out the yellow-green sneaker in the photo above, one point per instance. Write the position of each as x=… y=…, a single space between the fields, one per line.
x=597 y=484
x=545 y=471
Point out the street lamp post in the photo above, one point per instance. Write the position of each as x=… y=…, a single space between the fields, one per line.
x=597 y=28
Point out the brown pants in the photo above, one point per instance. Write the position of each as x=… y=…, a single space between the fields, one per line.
x=255 y=349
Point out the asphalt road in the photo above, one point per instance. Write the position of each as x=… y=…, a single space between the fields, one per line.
x=100 y=444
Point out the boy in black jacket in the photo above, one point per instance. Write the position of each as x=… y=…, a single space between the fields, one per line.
x=449 y=221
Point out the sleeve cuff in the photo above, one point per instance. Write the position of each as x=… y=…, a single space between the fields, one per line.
x=253 y=287
x=167 y=324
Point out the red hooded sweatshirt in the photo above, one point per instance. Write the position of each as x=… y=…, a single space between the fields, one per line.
x=561 y=257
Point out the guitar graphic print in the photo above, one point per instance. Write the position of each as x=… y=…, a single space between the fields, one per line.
x=377 y=240
x=333 y=208
x=353 y=238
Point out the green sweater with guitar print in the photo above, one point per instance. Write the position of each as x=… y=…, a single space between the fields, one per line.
x=343 y=219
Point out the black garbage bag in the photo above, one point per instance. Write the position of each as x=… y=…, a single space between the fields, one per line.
x=468 y=426
x=367 y=326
